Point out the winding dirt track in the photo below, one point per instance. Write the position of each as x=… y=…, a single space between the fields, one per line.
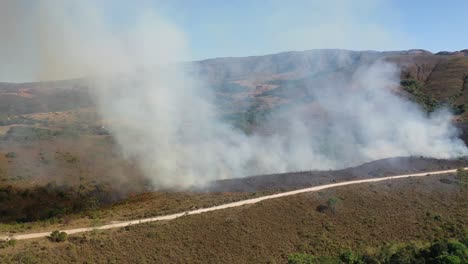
x=225 y=206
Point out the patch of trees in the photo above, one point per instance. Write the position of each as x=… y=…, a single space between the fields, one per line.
x=429 y=103
x=414 y=87
x=51 y=201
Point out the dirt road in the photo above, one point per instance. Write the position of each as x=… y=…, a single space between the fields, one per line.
x=225 y=206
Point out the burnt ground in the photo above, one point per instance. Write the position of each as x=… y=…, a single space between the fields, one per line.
x=294 y=180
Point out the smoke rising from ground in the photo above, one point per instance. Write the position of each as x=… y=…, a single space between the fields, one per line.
x=164 y=118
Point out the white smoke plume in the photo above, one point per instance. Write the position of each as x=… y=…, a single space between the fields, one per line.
x=164 y=118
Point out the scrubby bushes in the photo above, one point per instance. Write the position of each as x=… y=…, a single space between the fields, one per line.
x=8 y=243
x=462 y=175
x=350 y=257
x=300 y=258
x=25 y=133
x=10 y=155
x=58 y=236
x=439 y=252
x=50 y=201
x=411 y=85
x=331 y=205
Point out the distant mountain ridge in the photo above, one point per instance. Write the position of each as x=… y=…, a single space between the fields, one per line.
x=270 y=80
x=258 y=83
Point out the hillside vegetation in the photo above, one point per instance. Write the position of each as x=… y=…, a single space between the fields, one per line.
x=367 y=220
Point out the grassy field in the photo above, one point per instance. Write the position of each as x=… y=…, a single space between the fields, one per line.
x=365 y=217
x=135 y=207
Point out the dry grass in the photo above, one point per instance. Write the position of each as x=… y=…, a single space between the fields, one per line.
x=447 y=79
x=135 y=207
x=367 y=216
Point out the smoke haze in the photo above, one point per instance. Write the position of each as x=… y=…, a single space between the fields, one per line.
x=164 y=117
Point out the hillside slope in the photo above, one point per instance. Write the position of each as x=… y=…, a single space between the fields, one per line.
x=379 y=214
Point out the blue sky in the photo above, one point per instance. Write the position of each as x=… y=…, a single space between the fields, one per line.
x=251 y=27
x=44 y=37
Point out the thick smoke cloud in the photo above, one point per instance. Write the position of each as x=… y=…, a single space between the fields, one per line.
x=164 y=118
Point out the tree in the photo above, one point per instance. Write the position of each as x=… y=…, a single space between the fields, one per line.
x=457 y=249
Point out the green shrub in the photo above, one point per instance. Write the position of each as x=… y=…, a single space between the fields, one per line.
x=12 y=242
x=301 y=258
x=457 y=248
x=447 y=259
x=28 y=133
x=462 y=175
x=464 y=241
x=151 y=234
x=321 y=208
x=439 y=252
x=58 y=236
x=8 y=243
x=407 y=255
x=10 y=155
x=328 y=226
x=370 y=259
x=331 y=203
x=411 y=85
x=349 y=257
